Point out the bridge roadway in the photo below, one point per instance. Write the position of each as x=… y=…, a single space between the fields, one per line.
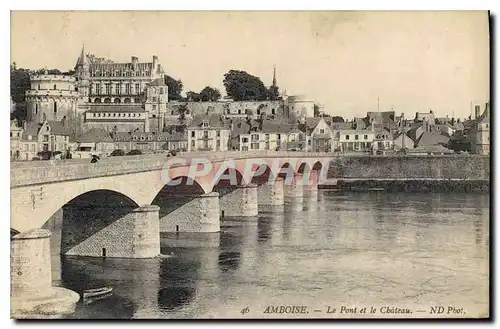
x=40 y=172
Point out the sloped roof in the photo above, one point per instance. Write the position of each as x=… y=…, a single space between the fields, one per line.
x=214 y=120
x=431 y=149
x=278 y=126
x=432 y=138
x=56 y=127
x=157 y=82
x=95 y=135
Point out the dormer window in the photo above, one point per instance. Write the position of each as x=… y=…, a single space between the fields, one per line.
x=204 y=123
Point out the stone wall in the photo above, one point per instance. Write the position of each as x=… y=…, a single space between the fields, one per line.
x=196 y=213
x=118 y=231
x=407 y=167
x=196 y=108
x=240 y=202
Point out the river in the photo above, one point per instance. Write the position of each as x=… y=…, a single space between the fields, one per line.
x=337 y=255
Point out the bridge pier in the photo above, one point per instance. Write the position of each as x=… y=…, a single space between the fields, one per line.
x=311 y=184
x=294 y=187
x=32 y=294
x=241 y=202
x=200 y=214
x=271 y=193
x=123 y=232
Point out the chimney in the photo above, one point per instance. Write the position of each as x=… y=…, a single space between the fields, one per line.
x=487 y=109
x=477 y=109
x=155 y=62
x=134 y=61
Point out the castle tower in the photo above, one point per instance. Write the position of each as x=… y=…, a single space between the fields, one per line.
x=51 y=97
x=83 y=75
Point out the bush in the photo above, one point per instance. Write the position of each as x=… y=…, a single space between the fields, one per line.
x=117 y=153
x=134 y=152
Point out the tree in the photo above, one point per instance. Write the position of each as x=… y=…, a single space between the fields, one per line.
x=209 y=94
x=117 y=153
x=192 y=96
x=183 y=111
x=174 y=88
x=19 y=83
x=134 y=152
x=273 y=93
x=337 y=119
x=242 y=86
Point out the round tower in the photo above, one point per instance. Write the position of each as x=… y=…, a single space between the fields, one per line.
x=51 y=97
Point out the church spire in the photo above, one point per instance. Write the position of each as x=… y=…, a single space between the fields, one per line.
x=274 y=75
x=82 y=60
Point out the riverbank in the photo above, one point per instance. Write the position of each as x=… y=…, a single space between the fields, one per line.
x=408 y=185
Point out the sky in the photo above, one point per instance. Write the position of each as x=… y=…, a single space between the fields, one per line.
x=349 y=62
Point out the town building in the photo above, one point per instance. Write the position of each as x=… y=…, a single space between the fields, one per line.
x=356 y=140
x=208 y=133
x=479 y=134
x=36 y=140
x=318 y=135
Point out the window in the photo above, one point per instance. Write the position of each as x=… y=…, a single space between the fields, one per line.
x=204 y=123
x=267 y=136
x=154 y=107
x=292 y=138
x=150 y=138
x=278 y=136
x=171 y=112
x=55 y=107
x=322 y=131
x=36 y=108
x=134 y=138
x=108 y=88
x=239 y=111
x=255 y=137
x=33 y=147
x=244 y=140
x=218 y=133
x=254 y=146
x=192 y=134
x=137 y=89
x=55 y=87
x=218 y=143
x=356 y=137
x=93 y=114
x=192 y=143
x=127 y=89
x=26 y=147
x=154 y=98
x=309 y=142
x=347 y=137
x=205 y=134
x=11 y=134
x=366 y=137
x=161 y=91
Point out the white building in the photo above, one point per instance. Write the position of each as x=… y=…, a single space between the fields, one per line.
x=208 y=133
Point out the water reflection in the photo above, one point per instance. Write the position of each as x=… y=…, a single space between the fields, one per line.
x=422 y=248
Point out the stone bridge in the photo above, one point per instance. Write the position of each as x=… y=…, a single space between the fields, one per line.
x=118 y=206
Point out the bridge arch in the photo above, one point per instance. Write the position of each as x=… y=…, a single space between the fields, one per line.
x=41 y=210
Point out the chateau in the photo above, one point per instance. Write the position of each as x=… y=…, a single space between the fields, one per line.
x=102 y=94
x=133 y=97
